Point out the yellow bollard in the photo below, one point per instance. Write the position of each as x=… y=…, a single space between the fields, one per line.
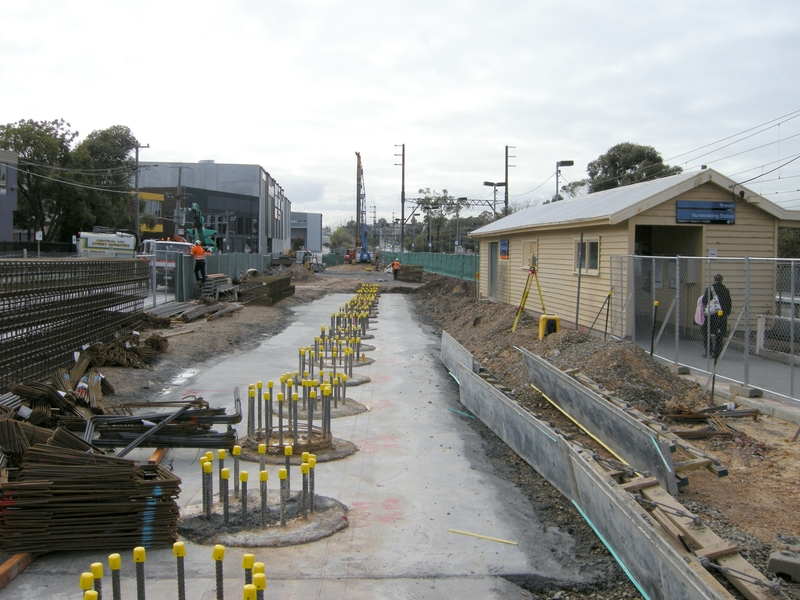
x=115 y=564
x=179 y=551
x=87 y=581
x=139 y=557
x=218 y=554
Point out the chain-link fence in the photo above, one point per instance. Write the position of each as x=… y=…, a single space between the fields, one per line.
x=661 y=303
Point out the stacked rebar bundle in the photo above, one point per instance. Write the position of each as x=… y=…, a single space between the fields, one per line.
x=67 y=499
x=266 y=291
x=49 y=308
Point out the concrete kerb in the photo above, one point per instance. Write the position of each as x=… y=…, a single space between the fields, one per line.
x=648 y=560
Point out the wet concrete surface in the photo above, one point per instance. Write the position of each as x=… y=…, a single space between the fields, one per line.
x=419 y=473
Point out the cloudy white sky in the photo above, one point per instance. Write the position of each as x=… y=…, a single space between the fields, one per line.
x=299 y=86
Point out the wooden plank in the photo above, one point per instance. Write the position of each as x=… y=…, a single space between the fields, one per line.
x=157 y=456
x=699 y=538
x=667 y=524
x=715 y=552
x=639 y=484
x=13 y=567
x=689 y=465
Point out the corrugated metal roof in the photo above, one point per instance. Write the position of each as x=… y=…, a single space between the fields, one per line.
x=592 y=207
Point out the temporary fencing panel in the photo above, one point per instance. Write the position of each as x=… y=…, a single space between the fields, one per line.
x=761 y=339
x=460 y=266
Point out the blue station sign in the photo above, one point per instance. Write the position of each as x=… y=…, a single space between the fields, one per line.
x=705 y=212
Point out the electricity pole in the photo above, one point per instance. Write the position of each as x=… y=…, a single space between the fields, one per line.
x=506 y=182
x=402 y=197
x=136 y=180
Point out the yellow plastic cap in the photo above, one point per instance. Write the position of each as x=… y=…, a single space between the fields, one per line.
x=243 y=476
x=312 y=461
x=335 y=381
x=114 y=562
x=282 y=379
x=305 y=456
x=289 y=382
x=294 y=396
x=237 y=450
x=178 y=549
x=90 y=595
x=262 y=448
x=258 y=567
x=263 y=475
x=225 y=473
x=312 y=394
x=208 y=467
x=249 y=592
x=210 y=455
x=260 y=581
x=280 y=397
x=218 y=553
x=259 y=384
x=270 y=384
x=248 y=560
x=139 y=554
x=87 y=581
x=344 y=377
x=287 y=450
x=97 y=570
x=281 y=473
x=221 y=454
x=304 y=468
x=251 y=391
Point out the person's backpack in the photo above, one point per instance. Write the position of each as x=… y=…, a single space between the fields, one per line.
x=714 y=306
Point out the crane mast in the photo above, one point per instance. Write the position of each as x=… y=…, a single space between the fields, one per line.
x=362 y=254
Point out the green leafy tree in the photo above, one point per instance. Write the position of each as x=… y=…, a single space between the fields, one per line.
x=341 y=238
x=627 y=163
x=789 y=243
x=63 y=189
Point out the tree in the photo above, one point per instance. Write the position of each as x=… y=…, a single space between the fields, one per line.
x=788 y=243
x=341 y=238
x=63 y=190
x=624 y=164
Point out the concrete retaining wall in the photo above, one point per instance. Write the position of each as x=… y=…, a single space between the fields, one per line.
x=629 y=439
x=658 y=571
x=454 y=353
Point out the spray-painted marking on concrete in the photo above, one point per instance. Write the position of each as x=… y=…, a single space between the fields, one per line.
x=365 y=514
x=380 y=444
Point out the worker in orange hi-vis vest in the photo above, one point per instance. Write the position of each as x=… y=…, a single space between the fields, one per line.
x=395 y=267
x=199 y=255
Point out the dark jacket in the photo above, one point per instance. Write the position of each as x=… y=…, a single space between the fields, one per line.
x=724 y=297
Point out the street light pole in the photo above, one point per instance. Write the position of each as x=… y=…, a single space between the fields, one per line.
x=495 y=185
x=136 y=227
x=561 y=163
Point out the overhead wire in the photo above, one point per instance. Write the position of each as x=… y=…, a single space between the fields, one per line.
x=75 y=184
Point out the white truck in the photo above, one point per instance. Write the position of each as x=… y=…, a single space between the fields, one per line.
x=120 y=245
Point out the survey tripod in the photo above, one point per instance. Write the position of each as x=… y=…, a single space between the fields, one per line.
x=532 y=274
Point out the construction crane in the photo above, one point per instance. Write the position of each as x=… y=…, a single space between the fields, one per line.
x=362 y=254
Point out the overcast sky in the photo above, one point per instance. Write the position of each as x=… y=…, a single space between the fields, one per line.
x=299 y=86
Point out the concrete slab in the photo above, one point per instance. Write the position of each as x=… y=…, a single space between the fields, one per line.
x=419 y=472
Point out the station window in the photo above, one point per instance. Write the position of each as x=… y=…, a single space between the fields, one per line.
x=3 y=179
x=587 y=258
x=529 y=248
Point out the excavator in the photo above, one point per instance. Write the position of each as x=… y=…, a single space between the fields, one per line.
x=199 y=232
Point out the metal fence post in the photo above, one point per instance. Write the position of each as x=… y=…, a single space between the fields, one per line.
x=746 y=320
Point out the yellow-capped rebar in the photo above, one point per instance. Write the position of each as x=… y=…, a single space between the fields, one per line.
x=208 y=467
x=225 y=473
x=258 y=567
x=221 y=454
x=139 y=554
x=249 y=592
x=97 y=570
x=210 y=455
x=259 y=385
x=312 y=394
x=263 y=475
x=270 y=384
x=295 y=396
x=282 y=474
x=114 y=562
x=251 y=391
x=312 y=461
x=260 y=581
x=262 y=448
x=282 y=379
x=287 y=450
x=304 y=468
x=218 y=553
x=243 y=476
x=248 y=560
x=304 y=456
x=237 y=450
x=87 y=581
x=178 y=549
x=90 y=595
x=280 y=397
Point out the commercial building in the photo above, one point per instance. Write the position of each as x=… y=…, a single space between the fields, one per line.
x=309 y=227
x=243 y=203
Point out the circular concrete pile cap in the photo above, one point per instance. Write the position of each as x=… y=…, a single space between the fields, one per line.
x=329 y=516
